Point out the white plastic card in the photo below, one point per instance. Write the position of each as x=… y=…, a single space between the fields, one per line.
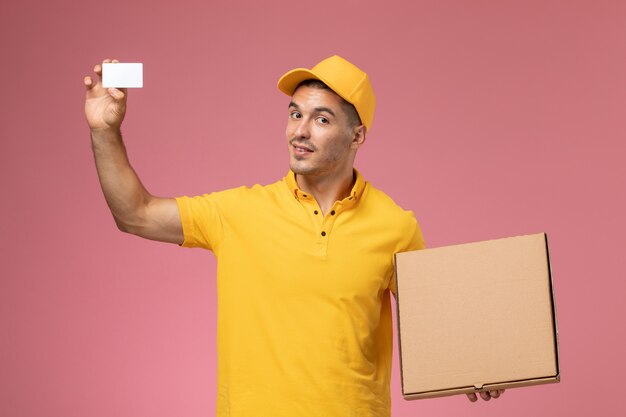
x=122 y=75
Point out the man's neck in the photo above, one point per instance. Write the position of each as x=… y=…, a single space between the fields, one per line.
x=327 y=189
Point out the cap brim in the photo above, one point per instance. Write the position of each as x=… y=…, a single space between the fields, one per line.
x=288 y=82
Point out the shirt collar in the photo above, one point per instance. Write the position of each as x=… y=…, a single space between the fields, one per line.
x=355 y=193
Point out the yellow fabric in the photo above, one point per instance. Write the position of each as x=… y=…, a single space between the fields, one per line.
x=304 y=320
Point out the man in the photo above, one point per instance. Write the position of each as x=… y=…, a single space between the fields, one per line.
x=305 y=265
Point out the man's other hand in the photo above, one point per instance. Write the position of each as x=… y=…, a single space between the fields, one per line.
x=487 y=395
x=104 y=108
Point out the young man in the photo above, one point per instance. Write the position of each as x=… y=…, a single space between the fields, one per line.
x=305 y=265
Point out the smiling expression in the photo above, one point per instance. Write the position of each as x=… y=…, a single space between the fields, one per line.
x=321 y=139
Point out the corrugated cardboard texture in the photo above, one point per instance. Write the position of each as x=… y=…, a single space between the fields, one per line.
x=476 y=315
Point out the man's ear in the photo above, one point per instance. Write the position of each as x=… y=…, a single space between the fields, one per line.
x=359 y=136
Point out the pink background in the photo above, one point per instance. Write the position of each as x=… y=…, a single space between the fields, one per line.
x=495 y=118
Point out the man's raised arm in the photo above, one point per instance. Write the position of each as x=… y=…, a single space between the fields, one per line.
x=134 y=209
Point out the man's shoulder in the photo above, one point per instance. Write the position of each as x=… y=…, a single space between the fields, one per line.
x=388 y=218
x=382 y=212
x=248 y=193
x=380 y=200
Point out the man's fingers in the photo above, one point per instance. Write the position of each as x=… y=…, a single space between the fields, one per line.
x=486 y=395
x=88 y=82
x=117 y=93
x=98 y=68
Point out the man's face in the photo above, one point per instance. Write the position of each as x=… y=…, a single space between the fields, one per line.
x=320 y=137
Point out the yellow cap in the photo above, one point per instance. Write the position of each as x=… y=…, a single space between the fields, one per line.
x=343 y=77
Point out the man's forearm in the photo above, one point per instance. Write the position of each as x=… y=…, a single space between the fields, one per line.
x=123 y=191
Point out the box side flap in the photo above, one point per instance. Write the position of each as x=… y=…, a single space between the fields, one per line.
x=553 y=303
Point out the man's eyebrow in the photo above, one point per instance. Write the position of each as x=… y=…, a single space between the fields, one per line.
x=326 y=109
x=317 y=109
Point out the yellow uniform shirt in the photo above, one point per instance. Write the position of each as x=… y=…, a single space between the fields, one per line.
x=304 y=318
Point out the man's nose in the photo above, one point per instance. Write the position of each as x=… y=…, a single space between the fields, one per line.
x=302 y=129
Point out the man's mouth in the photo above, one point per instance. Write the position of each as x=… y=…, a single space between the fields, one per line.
x=302 y=148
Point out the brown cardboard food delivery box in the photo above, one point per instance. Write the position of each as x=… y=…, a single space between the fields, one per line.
x=476 y=317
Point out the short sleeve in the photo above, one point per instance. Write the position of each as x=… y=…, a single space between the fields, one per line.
x=415 y=243
x=202 y=221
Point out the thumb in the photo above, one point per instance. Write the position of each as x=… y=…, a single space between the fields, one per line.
x=116 y=94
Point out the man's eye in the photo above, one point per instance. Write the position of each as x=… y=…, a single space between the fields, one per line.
x=295 y=115
x=322 y=120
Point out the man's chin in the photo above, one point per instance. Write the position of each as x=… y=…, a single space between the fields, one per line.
x=300 y=168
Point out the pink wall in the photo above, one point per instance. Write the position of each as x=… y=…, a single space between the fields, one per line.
x=495 y=118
